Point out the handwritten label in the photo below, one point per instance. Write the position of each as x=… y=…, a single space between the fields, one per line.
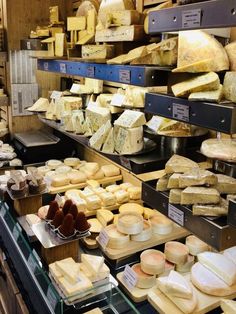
x=124 y=76
x=130 y=277
x=125 y=162
x=62 y=68
x=52 y=297
x=16 y=231
x=59 y=200
x=118 y=100
x=191 y=18
x=103 y=239
x=176 y=214
x=45 y=66
x=180 y=112
x=56 y=95
x=91 y=71
x=28 y=45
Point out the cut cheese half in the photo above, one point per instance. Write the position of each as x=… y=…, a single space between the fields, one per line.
x=131 y=207
x=152 y=262
x=145 y=281
x=95 y=225
x=228 y=306
x=178 y=286
x=195 y=245
x=130 y=223
x=176 y=252
x=207 y=282
x=104 y=216
x=145 y=235
x=231 y=254
x=179 y=164
x=220 y=265
x=117 y=239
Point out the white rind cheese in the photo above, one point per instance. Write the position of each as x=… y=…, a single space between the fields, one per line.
x=231 y=254
x=178 y=286
x=145 y=281
x=228 y=306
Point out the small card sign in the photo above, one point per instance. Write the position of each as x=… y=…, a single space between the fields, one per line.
x=56 y=94
x=130 y=277
x=62 y=68
x=176 y=214
x=180 y=112
x=91 y=71
x=45 y=66
x=191 y=18
x=124 y=76
x=103 y=239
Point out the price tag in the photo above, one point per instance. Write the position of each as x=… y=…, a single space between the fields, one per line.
x=124 y=76
x=130 y=277
x=62 y=68
x=191 y=18
x=180 y=112
x=125 y=162
x=75 y=89
x=56 y=95
x=103 y=239
x=155 y=123
x=91 y=71
x=16 y=231
x=59 y=200
x=176 y=214
x=52 y=297
x=118 y=100
x=45 y=66
x=28 y=45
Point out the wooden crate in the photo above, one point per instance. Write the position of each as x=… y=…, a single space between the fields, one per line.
x=29 y=205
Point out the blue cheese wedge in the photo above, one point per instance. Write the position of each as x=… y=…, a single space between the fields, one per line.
x=98 y=139
x=129 y=141
x=131 y=119
x=98 y=116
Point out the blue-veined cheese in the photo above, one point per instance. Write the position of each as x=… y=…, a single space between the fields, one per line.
x=131 y=119
x=129 y=141
x=97 y=140
x=109 y=144
x=98 y=116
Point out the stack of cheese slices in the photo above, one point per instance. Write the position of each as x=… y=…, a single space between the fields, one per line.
x=76 y=280
x=190 y=185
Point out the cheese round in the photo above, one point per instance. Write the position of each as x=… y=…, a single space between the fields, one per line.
x=152 y=262
x=135 y=193
x=53 y=163
x=117 y=240
x=110 y=170
x=161 y=224
x=145 y=281
x=196 y=245
x=63 y=169
x=72 y=162
x=209 y=283
x=168 y=267
x=72 y=193
x=145 y=235
x=131 y=207
x=130 y=223
x=186 y=267
x=176 y=252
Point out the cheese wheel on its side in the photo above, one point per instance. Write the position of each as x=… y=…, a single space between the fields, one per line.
x=60 y=180
x=186 y=267
x=145 y=235
x=176 y=252
x=72 y=162
x=110 y=170
x=196 y=245
x=130 y=223
x=117 y=240
x=135 y=193
x=145 y=281
x=152 y=262
x=53 y=163
x=131 y=207
x=161 y=224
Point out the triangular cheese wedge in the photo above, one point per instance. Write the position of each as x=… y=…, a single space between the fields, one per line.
x=231 y=254
x=40 y=105
x=109 y=144
x=131 y=119
x=228 y=306
x=92 y=262
x=179 y=164
x=178 y=286
x=212 y=96
x=98 y=138
x=69 y=269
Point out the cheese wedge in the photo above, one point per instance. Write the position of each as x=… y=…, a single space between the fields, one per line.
x=104 y=217
x=173 y=182
x=187 y=306
x=176 y=252
x=208 y=96
x=68 y=268
x=95 y=225
x=145 y=281
x=162 y=183
x=231 y=254
x=92 y=262
x=152 y=262
x=196 y=177
x=204 y=82
x=214 y=262
x=226 y=184
x=195 y=245
x=202 y=66
x=103 y=273
x=131 y=119
x=207 y=282
x=179 y=164
x=109 y=144
x=175 y=196
x=134 y=53
x=219 y=209
x=199 y=195
x=228 y=306
x=178 y=286
x=98 y=139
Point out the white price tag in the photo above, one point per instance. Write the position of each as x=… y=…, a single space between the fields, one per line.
x=59 y=200
x=16 y=231
x=62 y=68
x=118 y=100
x=56 y=94
x=191 y=18
x=124 y=76
x=91 y=71
x=130 y=277
x=52 y=298
x=28 y=44
x=45 y=66
x=176 y=214
x=180 y=112
x=103 y=239
x=125 y=162
x=154 y=123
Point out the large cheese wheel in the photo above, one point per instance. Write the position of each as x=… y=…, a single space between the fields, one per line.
x=223 y=149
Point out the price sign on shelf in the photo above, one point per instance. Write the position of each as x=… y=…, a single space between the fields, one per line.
x=176 y=215
x=45 y=66
x=192 y=18
x=124 y=76
x=62 y=68
x=103 y=239
x=28 y=45
x=91 y=71
x=56 y=94
x=125 y=162
x=130 y=277
x=51 y=296
x=180 y=112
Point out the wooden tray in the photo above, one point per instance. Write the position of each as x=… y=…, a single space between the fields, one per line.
x=133 y=247
x=61 y=189
x=136 y=294
x=164 y=305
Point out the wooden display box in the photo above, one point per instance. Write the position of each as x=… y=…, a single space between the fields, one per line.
x=29 y=205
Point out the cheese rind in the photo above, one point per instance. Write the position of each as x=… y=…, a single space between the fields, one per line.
x=98 y=138
x=211 y=210
x=152 y=262
x=196 y=177
x=109 y=144
x=211 y=96
x=161 y=224
x=176 y=252
x=173 y=182
x=199 y=195
x=97 y=116
x=145 y=235
x=130 y=223
x=145 y=281
x=195 y=245
x=175 y=196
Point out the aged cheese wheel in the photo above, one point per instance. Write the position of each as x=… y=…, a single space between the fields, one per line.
x=152 y=262
x=131 y=207
x=195 y=245
x=176 y=252
x=161 y=224
x=145 y=281
x=117 y=240
x=145 y=235
x=130 y=223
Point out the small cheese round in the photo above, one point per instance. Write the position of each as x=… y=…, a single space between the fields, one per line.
x=131 y=207
x=117 y=240
x=135 y=193
x=145 y=235
x=72 y=193
x=145 y=281
x=53 y=163
x=176 y=252
x=72 y=162
x=63 y=169
x=186 y=267
x=130 y=223
x=196 y=245
x=161 y=224
x=152 y=262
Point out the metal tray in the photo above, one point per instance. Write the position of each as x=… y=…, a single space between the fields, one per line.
x=36 y=138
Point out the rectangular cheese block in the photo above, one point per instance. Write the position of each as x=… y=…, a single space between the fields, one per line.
x=197 y=177
x=97 y=51
x=108 y=199
x=199 y=195
x=179 y=164
x=92 y=262
x=204 y=82
x=69 y=269
x=99 y=138
x=211 y=210
x=225 y=184
x=97 y=116
x=83 y=284
x=175 y=196
x=128 y=141
x=173 y=182
x=121 y=33
x=131 y=119
x=211 y=96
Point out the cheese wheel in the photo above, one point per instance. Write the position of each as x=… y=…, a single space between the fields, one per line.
x=53 y=163
x=152 y=262
x=145 y=235
x=95 y=225
x=110 y=170
x=130 y=223
x=186 y=267
x=63 y=169
x=60 y=180
x=145 y=281
x=72 y=162
x=131 y=207
x=176 y=252
x=161 y=224
x=196 y=245
x=135 y=193
x=117 y=240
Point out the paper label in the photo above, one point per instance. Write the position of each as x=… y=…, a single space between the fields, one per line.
x=16 y=231
x=28 y=45
x=52 y=298
x=181 y=112
x=62 y=68
x=191 y=18
x=124 y=76
x=154 y=123
x=56 y=95
x=125 y=162
x=118 y=100
x=130 y=277
x=176 y=215
x=90 y=71
x=59 y=200
x=103 y=239
x=45 y=66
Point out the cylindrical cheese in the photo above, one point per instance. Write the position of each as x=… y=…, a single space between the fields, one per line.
x=130 y=223
x=168 y=267
x=161 y=224
x=53 y=163
x=186 y=267
x=131 y=207
x=152 y=262
x=145 y=281
x=117 y=240
x=196 y=245
x=145 y=235
x=72 y=162
x=176 y=252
